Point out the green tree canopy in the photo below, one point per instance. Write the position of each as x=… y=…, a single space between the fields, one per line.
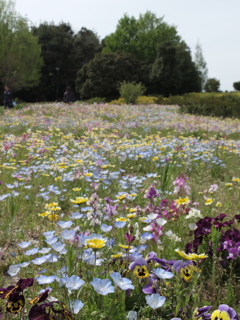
x=212 y=85
x=20 y=54
x=236 y=86
x=101 y=76
x=140 y=36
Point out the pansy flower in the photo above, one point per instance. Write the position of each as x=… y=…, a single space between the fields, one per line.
x=140 y=268
x=224 y=312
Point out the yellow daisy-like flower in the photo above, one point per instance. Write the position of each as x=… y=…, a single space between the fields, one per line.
x=96 y=243
x=154 y=158
x=208 y=201
x=79 y=200
x=44 y=214
x=228 y=184
x=218 y=204
x=191 y=256
x=121 y=197
x=118 y=255
x=182 y=201
x=88 y=174
x=235 y=179
x=76 y=189
x=131 y=215
x=58 y=178
x=124 y=246
x=132 y=210
x=53 y=217
x=143 y=219
x=220 y=315
x=121 y=219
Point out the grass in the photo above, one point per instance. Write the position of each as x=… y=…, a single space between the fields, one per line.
x=138 y=182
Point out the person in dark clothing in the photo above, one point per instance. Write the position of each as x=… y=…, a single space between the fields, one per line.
x=8 y=98
x=68 y=96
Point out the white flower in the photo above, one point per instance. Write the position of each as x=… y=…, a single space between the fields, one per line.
x=152 y=216
x=163 y=274
x=194 y=213
x=132 y=315
x=58 y=246
x=161 y=222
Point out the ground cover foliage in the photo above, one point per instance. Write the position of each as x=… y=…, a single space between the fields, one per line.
x=118 y=212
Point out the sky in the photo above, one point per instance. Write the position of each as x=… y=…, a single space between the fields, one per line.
x=215 y=24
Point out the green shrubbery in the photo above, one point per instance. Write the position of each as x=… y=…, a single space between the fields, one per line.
x=217 y=105
x=130 y=91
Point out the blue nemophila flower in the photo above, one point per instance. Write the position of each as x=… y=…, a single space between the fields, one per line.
x=163 y=274
x=102 y=286
x=76 y=306
x=58 y=246
x=51 y=241
x=31 y=252
x=49 y=234
x=122 y=283
x=65 y=224
x=40 y=260
x=24 y=264
x=45 y=279
x=155 y=301
x=76 y=215
x=13 y=270
x=106 y=228
x=68 y=234
x=72 y=283
x=44 y=250
x=24 y=244
x=132 y=315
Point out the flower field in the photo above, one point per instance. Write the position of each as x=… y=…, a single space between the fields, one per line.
x=118 y=212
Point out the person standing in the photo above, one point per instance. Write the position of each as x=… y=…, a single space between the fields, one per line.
x=68 y=96
x=8 y=98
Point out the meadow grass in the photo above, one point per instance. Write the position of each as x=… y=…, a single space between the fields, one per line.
x=118 y=212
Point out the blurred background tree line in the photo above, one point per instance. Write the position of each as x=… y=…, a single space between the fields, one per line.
x=39 y=62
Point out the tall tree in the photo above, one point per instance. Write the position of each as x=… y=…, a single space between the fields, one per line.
x=20 y=53
x=173 y=71
x=201 y=65
x=140 y=36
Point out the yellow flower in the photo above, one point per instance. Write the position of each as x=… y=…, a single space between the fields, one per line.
x=124 y=246
x=44 y=214
x=58 y=178
x=182 y=201
x=187 y=272
x=53 y=217
x=96 y=243
x=132 y=210
x=191 y=256
x=118 y=255
x=88 y=174
x=218 y=204
x=76 y=189
x=228 y=184
x=208 y=201
x=121 y=197
x=220 y=315
x=143 y=219
x=121 y=219
x=79 y=200
x=131 y=215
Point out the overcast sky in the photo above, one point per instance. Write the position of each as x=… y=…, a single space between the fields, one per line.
x=214 y=23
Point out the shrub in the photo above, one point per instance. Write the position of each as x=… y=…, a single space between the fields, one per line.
x=130 y=91
x=96 y=100
x=146 y=100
